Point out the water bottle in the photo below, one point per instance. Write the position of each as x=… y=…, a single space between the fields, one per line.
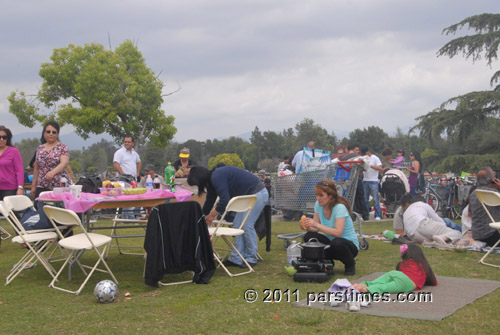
x=149 y=184
x=293 y=252
x=170 y=176
x=388 y=234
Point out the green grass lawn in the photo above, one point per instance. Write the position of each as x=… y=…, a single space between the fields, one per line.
x=28 y=306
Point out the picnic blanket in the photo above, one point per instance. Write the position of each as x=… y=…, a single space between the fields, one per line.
x=90 y=199
x=447 y=297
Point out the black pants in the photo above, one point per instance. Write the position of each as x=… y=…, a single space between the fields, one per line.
x=340 y=248
x=4 y=193
x=490 y=241
x=360 y=206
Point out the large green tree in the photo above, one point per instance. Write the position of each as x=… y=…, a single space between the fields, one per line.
x=98 y=91
x=372 y=137
x=460 y=120
x=308 y=131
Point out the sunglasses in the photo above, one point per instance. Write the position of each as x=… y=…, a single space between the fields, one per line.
x=51 y=132
x=4 y=137
x=324 y=183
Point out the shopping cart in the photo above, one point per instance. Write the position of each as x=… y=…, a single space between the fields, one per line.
x=296 y=192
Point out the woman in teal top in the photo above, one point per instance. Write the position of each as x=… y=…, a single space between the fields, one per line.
x=332 y=224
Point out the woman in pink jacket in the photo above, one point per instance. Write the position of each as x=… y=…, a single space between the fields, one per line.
x=11 y=166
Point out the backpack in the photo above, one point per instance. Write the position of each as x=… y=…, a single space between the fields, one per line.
x=90 y=184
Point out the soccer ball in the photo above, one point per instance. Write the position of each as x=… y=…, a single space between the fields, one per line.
x=106 y=291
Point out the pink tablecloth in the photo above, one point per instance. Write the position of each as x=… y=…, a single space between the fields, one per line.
x=90 y=199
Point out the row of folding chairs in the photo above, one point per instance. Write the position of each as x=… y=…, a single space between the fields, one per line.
x=63 y=236
x=71 y=245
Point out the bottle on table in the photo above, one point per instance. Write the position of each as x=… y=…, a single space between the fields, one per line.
x=156 y=182
x=170 y=176
x=149 y=184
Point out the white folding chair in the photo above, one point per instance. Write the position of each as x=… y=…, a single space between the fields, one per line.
x=223 y=222
x=243 y=203
x=489 y=198
x=36 y=243
x=19 y=203
x=78 y=243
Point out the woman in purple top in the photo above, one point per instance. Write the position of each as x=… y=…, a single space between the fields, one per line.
x=415 y=169
x=11 y=166
x=52 y=157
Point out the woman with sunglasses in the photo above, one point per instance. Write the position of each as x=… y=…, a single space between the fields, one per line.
x=332 y=224
x=415 y=168
x=11 y=166
x=52 y=157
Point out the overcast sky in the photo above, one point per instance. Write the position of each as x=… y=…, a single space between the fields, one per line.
x=346 y=64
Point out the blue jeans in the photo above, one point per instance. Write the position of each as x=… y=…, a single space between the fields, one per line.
x=452 y=225
x=247 y=243
x=371 y=187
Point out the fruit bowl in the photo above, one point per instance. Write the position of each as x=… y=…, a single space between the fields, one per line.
x=139 y=190
x=111 y=192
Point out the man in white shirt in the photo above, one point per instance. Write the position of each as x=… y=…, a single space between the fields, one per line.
x=126 y=160
x=421 y=224
x=370 y=182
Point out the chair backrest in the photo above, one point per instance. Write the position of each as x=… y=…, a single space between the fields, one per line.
x=18 y=202
x=243 y=203
x=11 y=218
x=488 y=198
x=62 y=216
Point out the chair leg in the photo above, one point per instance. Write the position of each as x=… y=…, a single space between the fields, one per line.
x=100 y=254
x=484 y=257
x=233 y=247
x=35 y=252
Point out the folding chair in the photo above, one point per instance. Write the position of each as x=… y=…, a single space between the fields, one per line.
x=36 y=243
x=489 y=198
x=76 y=244
x=243 y=203
x=223 y=222
x=19 y=203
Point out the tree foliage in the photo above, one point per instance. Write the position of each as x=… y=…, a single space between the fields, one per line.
x=373 y=137
x=463 y=119
x=228 y=159
x=98 y=91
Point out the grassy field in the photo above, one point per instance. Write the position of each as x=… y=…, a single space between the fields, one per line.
x=28 y=306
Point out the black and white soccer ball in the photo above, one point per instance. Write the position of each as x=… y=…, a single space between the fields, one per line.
x=106 y=291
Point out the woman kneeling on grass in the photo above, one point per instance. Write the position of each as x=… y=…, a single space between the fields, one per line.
x=412 y=273
x=332 y=224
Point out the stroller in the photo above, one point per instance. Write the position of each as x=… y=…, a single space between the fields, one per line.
x=393 y=186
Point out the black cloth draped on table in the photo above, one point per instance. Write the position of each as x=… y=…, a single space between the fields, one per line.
x=177 y=240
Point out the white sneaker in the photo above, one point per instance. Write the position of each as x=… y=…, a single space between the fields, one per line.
x=353 y=306
x=377 y=219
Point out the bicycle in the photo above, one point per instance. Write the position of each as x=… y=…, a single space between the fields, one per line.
x=448 y=204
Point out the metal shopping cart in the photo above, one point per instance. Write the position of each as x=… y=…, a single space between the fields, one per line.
x=296 y=192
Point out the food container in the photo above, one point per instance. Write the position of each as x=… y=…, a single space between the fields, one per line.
x=139 y=190
x=313 y=250
x=59 y=190
x=111 y=192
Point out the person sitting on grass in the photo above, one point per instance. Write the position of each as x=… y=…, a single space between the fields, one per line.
x=332 y=224
x=412 y=273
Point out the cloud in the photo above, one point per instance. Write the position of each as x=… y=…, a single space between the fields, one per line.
x=241 y=64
